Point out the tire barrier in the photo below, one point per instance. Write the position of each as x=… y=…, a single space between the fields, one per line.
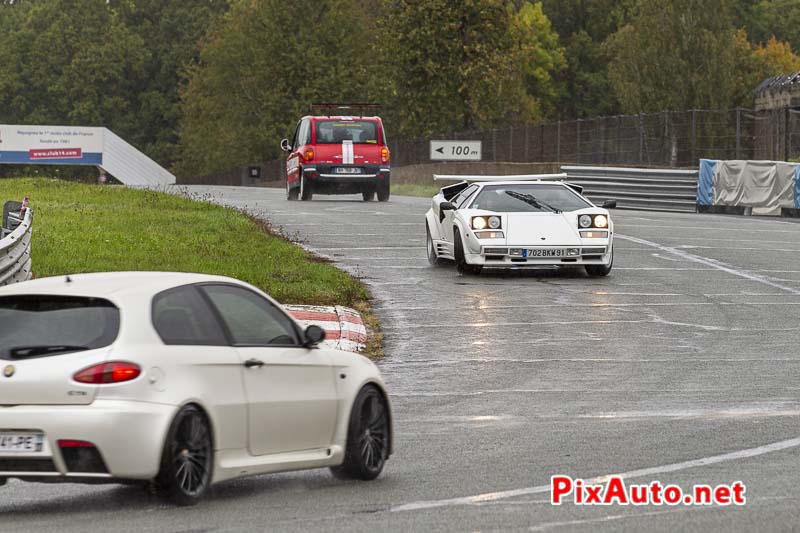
x=344 y=328
x=15 y=244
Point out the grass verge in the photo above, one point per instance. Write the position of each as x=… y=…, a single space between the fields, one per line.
x=89 y=228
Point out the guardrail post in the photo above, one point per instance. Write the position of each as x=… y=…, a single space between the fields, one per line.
x=494 y=145
x=511 y=143
x=525 y=150
x=578 y=141
x=641 y=137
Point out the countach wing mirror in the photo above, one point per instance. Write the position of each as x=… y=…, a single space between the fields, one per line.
x=313 y=336
x=609 y=204
x=285 y=146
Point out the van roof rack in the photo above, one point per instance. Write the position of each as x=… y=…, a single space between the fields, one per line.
x=343 y=109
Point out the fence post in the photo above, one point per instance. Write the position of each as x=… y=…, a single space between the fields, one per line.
x=738 y=132
x=558 y=142
x=641 y=137
x=578 y=141
x=510 y=144
x=787 y=137
x=525 y=150
x=494 y=145
x=694 y=136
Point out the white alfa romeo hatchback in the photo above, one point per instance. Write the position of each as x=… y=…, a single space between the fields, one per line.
x=177 y=380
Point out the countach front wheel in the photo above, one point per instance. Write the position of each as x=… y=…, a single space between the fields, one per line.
x=433 y=259
x=601 y=270
x=458 y=252
x=367 y=445
x=186 y=462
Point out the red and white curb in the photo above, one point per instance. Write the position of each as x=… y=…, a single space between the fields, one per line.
x=344 y=328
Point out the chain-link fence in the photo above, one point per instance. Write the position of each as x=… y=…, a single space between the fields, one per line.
x=665 y=139
x=669 y=138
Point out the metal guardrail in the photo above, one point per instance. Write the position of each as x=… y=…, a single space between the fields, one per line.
x=15 y=244
x=650 y=189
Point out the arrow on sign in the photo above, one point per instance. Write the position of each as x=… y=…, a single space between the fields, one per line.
x=440 y=150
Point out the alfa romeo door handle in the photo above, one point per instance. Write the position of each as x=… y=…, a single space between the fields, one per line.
x=250 y=363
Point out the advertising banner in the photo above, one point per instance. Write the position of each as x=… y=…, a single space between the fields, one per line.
x=55 y=145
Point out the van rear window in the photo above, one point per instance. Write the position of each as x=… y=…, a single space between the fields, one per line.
x=47 y=325
x=338 y=131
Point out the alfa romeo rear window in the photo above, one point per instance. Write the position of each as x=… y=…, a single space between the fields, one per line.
x=48 y=325
x=338 y=131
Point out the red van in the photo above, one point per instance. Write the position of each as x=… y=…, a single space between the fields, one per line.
x=337 y=155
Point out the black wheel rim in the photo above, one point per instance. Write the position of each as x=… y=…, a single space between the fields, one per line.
x=192 y=454
x=374 y=436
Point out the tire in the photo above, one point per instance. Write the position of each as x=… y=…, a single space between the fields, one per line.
x=601 y=270
x=306 y=192
x=368 y=437
x=458 y=253
x=384 y=191
x=368 y=195
x=187 y=459
x=433 y=259
x=292 y=193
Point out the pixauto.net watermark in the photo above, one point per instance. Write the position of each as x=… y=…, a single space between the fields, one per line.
x=614 y=491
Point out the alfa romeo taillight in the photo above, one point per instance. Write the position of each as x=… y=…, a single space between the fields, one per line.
x=104 y=373
x=308 y=155
x=384 y=155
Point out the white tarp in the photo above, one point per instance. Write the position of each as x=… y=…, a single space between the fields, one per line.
x=766 y=186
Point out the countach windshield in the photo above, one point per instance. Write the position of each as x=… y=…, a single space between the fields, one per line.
x=47 y=325
x=338 y=131
x=528 y=198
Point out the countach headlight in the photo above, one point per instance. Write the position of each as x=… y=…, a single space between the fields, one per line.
x=592 y=221
x=479 y=223
x=494 y=222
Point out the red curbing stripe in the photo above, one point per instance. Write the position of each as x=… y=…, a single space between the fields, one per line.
x=317 y=316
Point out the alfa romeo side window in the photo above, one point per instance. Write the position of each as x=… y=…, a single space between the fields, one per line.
x=251 y=319
x=182 y=316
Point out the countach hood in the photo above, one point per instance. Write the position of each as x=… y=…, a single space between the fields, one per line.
x=541 y=229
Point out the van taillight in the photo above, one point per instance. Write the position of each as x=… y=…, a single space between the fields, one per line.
x=384 y=155
x=113 y=372
x=308 y=155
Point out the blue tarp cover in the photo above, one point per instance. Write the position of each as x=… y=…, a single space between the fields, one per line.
x=705 y=185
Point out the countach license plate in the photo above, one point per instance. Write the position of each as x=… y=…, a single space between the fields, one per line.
x=544 y=252
x=348 y=170
x=21 y=442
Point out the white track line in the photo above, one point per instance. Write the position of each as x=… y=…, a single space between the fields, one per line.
x=642 y=472
x=710 y=262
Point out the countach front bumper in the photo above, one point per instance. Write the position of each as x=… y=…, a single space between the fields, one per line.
x=532 y=256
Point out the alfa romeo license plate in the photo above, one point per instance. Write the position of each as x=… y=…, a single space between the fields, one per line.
x=348 y=170
x=544 y=252
x=21 y=442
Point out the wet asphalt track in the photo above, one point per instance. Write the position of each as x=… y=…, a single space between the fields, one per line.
x=689 y=350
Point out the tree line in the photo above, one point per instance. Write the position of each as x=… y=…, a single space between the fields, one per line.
x=208 y=85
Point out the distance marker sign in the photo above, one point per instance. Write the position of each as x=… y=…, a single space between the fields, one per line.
x=455 y=150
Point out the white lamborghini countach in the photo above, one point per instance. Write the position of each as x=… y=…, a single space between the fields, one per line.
x=177 y=381
x=518 y=222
